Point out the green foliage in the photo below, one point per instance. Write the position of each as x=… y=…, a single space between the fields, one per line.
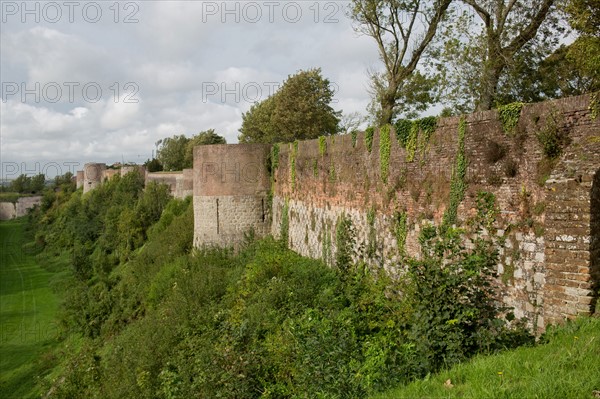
x=570 y=348
x=594 y=106
x=332 y=174
x=293 y=155
x=407 y=133
x=153 y=165
x=403 y=128
x=372 y=235
x=385 y=146
x=171 y=152
x=206 y=137
x=26 y=184
x=322 y=145
x=345 y=240
x=369 y=132
x=299 y=110
x=456 y=312
x=354 y=134
x=274 y=157
x=400 y=230
x=457 y=182
x=316 y=167
x=509 y=115
x=551 y=138
x=284 y=229
x=411 y=143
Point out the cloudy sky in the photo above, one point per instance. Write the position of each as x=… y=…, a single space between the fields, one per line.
x=103 y=81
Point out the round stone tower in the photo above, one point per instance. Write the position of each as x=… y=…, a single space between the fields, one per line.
x=92 y=175
x=231 y=187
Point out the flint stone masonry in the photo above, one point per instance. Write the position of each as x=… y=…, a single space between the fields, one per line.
x=547 y=228
x=79 y=179
x=548 y=231
x=92 y=175
x=9 y=210
x=231 y=186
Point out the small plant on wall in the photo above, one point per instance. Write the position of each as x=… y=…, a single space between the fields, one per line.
x=509 y=115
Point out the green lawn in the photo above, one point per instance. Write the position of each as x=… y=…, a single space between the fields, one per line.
x=566 y=367
x=27 y=310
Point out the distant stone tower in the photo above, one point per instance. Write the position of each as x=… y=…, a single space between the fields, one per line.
x=79 y=179
x=231 y=186
x=92 y=175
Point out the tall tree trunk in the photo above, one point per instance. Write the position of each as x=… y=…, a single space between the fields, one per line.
x=491 y=77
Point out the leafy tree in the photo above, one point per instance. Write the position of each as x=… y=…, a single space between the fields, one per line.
x=171 y=152
x=299 y=110
x=402 y=30
x=580 y=67
x=153 y=165
x=38 y=182
x=490 y=56
x=203 y=138
x=20 y=184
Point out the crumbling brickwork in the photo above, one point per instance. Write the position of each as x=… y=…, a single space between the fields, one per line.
x=547 y=231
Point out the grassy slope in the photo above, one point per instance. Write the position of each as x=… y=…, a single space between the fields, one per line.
x=27 y=310
x=567 y=367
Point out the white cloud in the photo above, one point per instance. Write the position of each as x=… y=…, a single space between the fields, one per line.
x=174 y=54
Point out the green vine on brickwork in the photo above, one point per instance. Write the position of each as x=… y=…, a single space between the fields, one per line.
x=372 y=238
x=326 y=245
x=594 y=106
x=509 y=115
x=316 y=168
x=401 y=230
x=369 y=138
x=427 y=126
x=274 y=157
x=457 y=182
x=385 y=147
x=345 y=238
x=322 y=145
x=273 y=169
x=284 y=229
x=332 y=172
x=411 y=143
x=293 y=155
x=354 y=135
x=403 y=128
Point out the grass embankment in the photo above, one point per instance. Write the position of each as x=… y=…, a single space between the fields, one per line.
x=27 y=314
x=568 y=366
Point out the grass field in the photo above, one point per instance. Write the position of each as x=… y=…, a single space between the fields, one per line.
x=27 y=311
x=567 y=367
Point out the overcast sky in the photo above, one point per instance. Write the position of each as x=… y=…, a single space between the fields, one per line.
x=103 y=81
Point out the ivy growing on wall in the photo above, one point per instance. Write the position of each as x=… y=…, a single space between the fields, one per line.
x=372 y=243
x=274 y=165
x=293 y=155
x=354 y=135
x=316 y=168
x=344 y=243
x=326 y=245
x=385 y=146
x=457 y=182
x=284 y=230
x=322 y=145
x=369 y=138
x=274 y=157
x=407 y=133
x=332 y=172
x=509 y=115
x=401 y=230
x=403 y=127
x=411 y=143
